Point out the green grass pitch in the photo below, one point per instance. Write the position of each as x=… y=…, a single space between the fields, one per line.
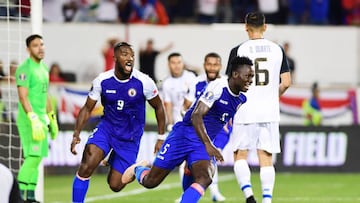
x=289 y=188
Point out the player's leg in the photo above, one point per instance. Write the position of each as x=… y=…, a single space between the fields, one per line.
x=220 y=142
x=269 y=143
x=92 y=156
x=28 y=173
x=202 y=174
x=150 y=177
x=242 y=140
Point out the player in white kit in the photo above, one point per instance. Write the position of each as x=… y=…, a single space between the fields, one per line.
x=256 y=123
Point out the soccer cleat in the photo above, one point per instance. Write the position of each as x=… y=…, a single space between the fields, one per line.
x=129 y=174
x=250 y=199
x=218 y=198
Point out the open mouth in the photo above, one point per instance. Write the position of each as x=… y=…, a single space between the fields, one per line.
x=128 y=66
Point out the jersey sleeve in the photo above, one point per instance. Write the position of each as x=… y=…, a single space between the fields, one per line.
x=95 y=91
x=190 y=96
x=212 y=92
x=284 y=65
x=166 y=91
x=150 y=89
x=22 y=77
x=233 y=54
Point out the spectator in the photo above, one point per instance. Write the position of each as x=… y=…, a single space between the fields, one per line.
x=298 y=13
x=319 y=10
x=107 y=11
x=206 y=11
x=312 y=109
x=2 y=73
x=290 y=60
x=69 y=10
x=55 y=74
x=108 y=52
x=147 y=58
x=224 y=11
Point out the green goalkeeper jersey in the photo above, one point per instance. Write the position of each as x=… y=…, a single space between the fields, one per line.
x=35 y=77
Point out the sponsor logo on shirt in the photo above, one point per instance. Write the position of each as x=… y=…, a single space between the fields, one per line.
x=224 y=102
x=132 y=92
x=111 y=91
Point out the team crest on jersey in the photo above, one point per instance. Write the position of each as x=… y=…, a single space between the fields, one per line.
x=209 y=96
x=22 y=76
x=132 y=92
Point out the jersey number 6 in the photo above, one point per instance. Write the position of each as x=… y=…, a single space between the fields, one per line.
x=261 y=72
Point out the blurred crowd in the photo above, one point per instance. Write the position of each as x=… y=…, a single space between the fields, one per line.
x=318 y=12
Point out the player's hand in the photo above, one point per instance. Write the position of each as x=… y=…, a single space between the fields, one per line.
x=158 y=145
x=37 y=127
x=214 y=152
x=76 y=140
x=53 y=125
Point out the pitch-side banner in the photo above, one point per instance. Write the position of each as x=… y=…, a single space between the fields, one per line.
x=325 y=149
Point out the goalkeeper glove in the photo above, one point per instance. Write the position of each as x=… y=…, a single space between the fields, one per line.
x=53 y=125
x=37 y=127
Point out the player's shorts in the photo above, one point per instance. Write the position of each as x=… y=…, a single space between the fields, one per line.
x=124 y=152
x=221 y=139
x=30 y=146
x=264 y=136
x=180 y=145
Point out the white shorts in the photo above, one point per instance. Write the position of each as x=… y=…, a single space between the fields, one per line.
x=264 y=136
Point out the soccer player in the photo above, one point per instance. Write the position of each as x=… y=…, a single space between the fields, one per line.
x=191 y=139
x=123 y=92
x=256 y=124
x=212 y=67
x=35 y=115
x=9 y=192
x=175 y=87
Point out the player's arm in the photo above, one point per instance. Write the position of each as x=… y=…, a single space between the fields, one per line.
x=169 y=114
x=199 y=112
x=53 y=124
x=156 y=103
x=186 y=105
x=285 y=82
x=81 y=120
x=23 y=98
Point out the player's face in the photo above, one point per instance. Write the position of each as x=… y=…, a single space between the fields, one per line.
x=36 y=49
x=212 y=67
x=244 y=78
x=176 y=66
x=124 y=61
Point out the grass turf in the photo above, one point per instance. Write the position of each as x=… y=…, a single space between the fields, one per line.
x=289 y=187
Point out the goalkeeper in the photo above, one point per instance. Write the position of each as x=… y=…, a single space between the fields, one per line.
x=35 y=116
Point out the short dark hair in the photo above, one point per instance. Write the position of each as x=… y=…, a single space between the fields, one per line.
x=212 y=54
x=174 y=54
x=121 y=44
x=239 y=61
x=255 y=19
x=31 y=38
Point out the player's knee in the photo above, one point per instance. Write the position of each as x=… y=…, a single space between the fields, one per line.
x=116 y=187
x=85 y=170
x=150 y=183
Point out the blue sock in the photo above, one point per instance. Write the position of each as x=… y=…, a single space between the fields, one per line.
x=193 y=193
x=140 y=172
x=80 y=187
x=187 y=179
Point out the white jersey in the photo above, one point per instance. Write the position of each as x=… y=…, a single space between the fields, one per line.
x=174 y=91
x=263 y=95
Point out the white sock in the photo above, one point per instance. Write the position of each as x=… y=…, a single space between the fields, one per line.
x=213 y=187
x=267 y=178
x=243 y=176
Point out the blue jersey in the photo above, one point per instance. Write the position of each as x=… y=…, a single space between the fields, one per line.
x=222 y=103
x=183 y=143
x=124 y=102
